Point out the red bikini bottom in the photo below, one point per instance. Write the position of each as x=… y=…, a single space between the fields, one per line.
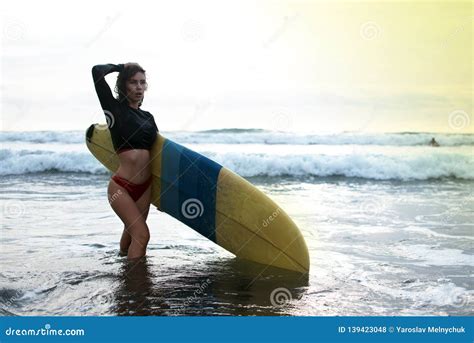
x=135 y=191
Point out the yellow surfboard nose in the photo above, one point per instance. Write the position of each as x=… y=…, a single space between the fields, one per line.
x=252 y=226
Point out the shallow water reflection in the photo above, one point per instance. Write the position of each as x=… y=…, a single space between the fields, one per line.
x=229 y=287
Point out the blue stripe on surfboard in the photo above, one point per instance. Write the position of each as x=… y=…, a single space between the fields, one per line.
x=169 y=178
x=189 y=187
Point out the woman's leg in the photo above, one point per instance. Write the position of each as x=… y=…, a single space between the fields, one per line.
x=125 y=241
x=143 y=205
x=131 y=215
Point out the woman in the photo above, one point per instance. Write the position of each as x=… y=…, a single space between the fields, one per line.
x=133 y=133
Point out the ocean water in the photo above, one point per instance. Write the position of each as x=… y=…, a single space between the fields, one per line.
x=388 y=221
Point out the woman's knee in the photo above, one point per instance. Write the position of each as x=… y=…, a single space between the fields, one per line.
x=139 y=233
x=142 y=236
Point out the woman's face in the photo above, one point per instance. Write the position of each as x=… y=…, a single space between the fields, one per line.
x=136 y=87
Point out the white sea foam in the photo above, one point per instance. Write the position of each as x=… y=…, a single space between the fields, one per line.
x=431 y=233
x=426 y=255
x=362 y=165
x=28 y=161
x=368 y=165
x=255 y=136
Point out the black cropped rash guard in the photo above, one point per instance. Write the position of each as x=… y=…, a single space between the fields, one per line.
x=130 y=128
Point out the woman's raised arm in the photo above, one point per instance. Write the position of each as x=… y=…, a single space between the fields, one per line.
x=107 y=100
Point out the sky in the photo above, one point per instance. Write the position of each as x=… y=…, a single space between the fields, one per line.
x=318 y=66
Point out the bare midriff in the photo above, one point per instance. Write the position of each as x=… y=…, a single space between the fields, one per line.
x=135 y=165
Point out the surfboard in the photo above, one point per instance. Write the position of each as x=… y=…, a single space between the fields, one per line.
x=214 y=201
